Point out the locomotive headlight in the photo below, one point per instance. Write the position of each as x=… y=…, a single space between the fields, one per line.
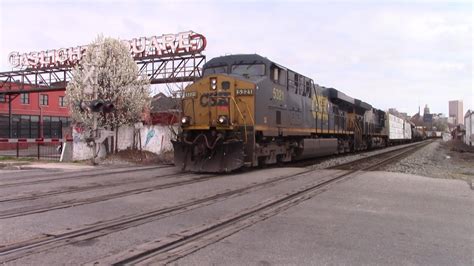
x=185 y=120
x=213 y=83
x=222 y=119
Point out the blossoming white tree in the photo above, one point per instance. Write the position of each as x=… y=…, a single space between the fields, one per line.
x=108 y=70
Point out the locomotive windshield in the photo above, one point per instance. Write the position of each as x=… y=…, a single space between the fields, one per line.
x=251 y=70
x=215 y=70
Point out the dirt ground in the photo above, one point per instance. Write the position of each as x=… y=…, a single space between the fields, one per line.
x=129 y=157
x=460 y=148
x=462 y=157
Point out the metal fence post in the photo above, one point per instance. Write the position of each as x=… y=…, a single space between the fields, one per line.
x=17 y=150
x=38 y=150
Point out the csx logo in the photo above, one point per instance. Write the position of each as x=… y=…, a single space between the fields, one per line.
x=213 y=99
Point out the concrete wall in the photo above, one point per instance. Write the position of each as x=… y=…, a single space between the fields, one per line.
x=156 y=139
x=469 y=124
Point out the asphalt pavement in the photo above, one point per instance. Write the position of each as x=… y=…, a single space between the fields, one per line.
x=376 y=218
x=373 y=218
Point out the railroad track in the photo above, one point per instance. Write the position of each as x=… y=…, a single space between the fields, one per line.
x=78 y=202
x=71 y=236
x=75 y=176
x=35 y=196
x=392 y=155
x=175 y=246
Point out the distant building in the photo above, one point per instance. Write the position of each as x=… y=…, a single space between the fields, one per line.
x=426 y=111
x=165 y=110
x=417 y=119
x=456 y=111
x=451 y=120
x=428 y=118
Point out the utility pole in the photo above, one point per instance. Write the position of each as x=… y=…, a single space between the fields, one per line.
x=10 y=120
x=91 y=89
x=94 y=128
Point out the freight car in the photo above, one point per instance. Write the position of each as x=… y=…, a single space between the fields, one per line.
x=397 y=130
x=247 y=110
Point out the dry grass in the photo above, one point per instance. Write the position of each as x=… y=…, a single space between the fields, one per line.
x=458 y=146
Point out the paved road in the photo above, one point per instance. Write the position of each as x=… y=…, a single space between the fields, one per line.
x=374 y=218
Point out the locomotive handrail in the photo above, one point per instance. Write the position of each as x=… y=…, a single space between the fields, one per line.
x=242 y=116
x=248 y=110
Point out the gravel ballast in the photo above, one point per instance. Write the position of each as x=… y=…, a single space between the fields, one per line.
x=439 y=160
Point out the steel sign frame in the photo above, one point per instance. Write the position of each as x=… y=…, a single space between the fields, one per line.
x=167 y=59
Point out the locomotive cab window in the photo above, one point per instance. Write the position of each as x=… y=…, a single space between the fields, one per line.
x=291 y=80
x=297 y=83
x=249 y=70
x=308 y=87
x=278 y=75
x=215 y=70
x=300 y=88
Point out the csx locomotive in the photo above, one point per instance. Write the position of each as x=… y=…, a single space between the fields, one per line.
x=249 y=111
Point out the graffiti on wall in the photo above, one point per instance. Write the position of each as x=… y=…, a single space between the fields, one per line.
x=149 y=136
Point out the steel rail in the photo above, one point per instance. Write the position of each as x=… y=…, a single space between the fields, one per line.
x=75 y=176
x=357 y=163
x=35 y=196
x=22 y=211
x=178 y=245
x=70 y=236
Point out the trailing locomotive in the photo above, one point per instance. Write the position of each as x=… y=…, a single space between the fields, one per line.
x=248 y=111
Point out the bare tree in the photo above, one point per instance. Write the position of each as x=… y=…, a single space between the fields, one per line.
x=176 y=92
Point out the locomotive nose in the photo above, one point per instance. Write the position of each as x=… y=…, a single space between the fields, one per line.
x=218 y=101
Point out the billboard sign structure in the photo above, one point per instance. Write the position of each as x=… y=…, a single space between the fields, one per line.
x=167 y=45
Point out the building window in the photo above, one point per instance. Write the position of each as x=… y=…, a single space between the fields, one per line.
x=62 y=101
x=3 y=98
x=43 y=99
x=25 y=98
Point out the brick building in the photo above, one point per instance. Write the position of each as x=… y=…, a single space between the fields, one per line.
x=34 y=115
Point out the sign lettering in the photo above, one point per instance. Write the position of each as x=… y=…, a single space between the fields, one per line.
x=140 y=48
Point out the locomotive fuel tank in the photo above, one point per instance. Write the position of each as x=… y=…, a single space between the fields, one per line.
x=311 y=148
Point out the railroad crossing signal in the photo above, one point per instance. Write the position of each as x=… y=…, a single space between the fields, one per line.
x=96 y=106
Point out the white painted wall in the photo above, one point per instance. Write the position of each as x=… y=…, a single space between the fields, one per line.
x=156 y=139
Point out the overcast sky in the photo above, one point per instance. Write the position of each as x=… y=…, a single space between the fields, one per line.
x=387 y=53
